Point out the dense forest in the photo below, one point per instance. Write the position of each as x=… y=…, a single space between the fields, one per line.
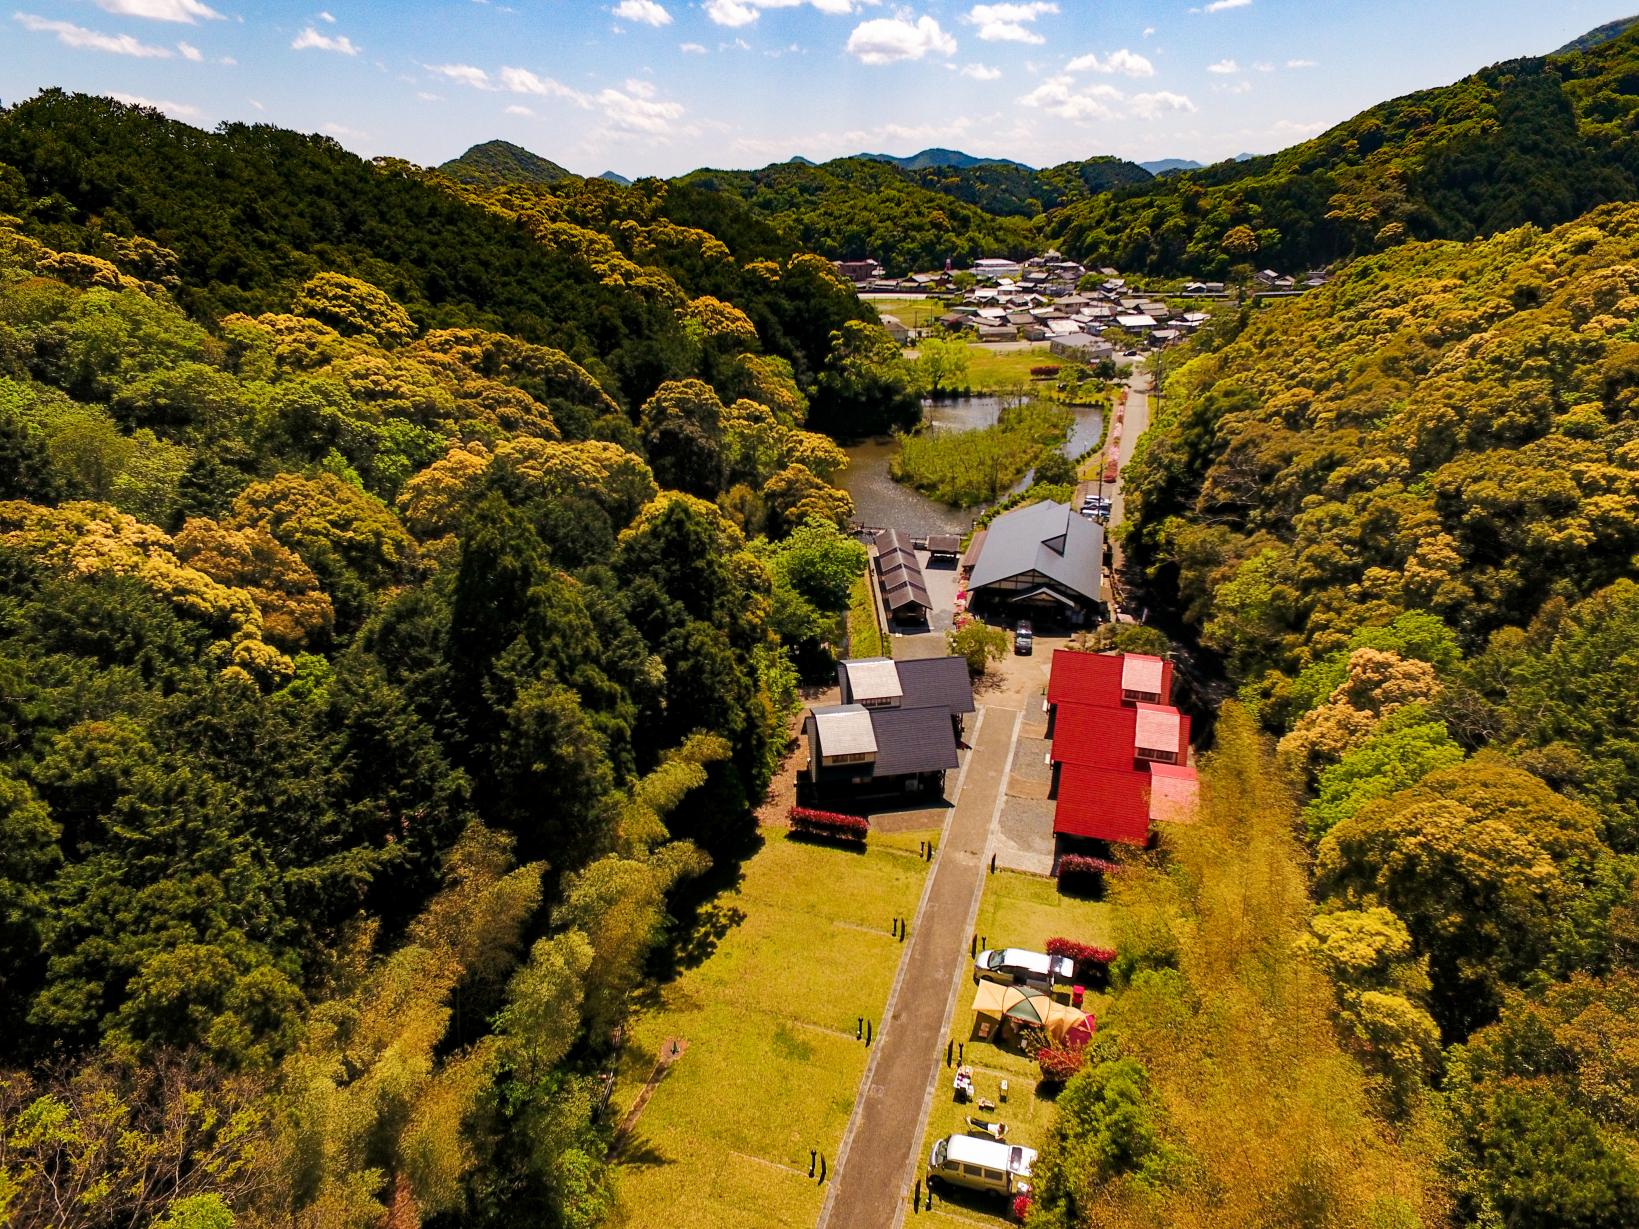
x=494 y=163
x=403 y=589
x=1404 y=510
x=1537 y=141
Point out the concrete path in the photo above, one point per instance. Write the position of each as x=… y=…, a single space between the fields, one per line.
x=874 y=1164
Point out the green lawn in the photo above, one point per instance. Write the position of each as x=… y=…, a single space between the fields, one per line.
x=1016 y=911
x=913 y=313
x=990 y=370
x=772 y=1067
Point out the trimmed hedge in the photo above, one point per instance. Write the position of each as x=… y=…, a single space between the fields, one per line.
x=828 y=823
x=1082 y=864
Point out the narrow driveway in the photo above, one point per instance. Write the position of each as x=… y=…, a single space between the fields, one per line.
x=886 y=1128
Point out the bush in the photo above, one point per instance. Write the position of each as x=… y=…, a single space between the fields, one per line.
x=1058 y=1065
x=979 y=644
x=1082 y=864
x=1021 y=1207
x=828 y=823
x=1082 y=953
x=1044 y=372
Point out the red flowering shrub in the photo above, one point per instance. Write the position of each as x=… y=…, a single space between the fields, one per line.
x=1058 y=1065
x=828 y=823
x=1021 y=1207
x=1043 y=373
x=1081 y=864
x=1085 y=955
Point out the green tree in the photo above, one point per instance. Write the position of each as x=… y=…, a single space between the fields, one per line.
x=940 y=365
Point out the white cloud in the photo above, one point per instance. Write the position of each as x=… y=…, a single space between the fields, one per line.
x=1060 y=96
x=1127 y=63
x=326 y=15
x=1149 y=31
x=1291 y=128
x=253 y=102
x=466 y=74
x=522 y=81
x=1009 y=23
x=1302 y=64
x=1233 y=87
x=176 y=110
x=1162 y=102
x=691 y=49
x=644 y=12
x=736 y=13
x=323 y=42
x=520 y=109
x=1218 y=6
x=190 y=52
x=639 y=112
x=187 y=11
x=429 y=96
x=1224 y=68
x=342 y=130
x=888 y=40
x=981 y=72
x=71 y=35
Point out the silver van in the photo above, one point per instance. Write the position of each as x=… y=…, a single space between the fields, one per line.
x=1017 y=966
x=981 y=1165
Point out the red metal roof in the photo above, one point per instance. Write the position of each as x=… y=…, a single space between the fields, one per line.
x=1094 y=678
x=1094 y=736
x=1103 y=804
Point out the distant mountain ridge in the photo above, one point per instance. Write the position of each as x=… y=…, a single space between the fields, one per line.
x=941 y=157
x=493 y=163
x=1600 y=35
x=1162 y=165
x=616 y=177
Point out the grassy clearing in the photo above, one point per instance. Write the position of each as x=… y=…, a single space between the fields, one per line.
x=865 y=639
x=991 y=370
x=1016 y=911
x=797 y=952
x=912 y=313
x=964 y=468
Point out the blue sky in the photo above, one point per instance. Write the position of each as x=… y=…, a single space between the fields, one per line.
x=663 y=86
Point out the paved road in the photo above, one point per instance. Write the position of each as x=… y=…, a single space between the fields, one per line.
x=874 y=1163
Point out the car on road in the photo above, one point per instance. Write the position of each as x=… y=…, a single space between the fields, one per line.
x=1019 y=966
x=981 y=1165
x=1024 y=638
x=1131 y=354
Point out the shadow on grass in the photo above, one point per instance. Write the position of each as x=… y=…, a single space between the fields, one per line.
x=1082 y=887
x=844 y=843
x=981 y=1202
x=636 y=1151
x=712 y=923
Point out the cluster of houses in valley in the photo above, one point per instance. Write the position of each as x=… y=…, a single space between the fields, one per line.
x=1043 y=300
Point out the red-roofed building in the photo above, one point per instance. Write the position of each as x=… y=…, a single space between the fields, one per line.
x=1120 y=752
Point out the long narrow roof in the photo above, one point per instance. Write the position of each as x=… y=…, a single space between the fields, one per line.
x=1049 y=538
x=936 y=682
x=1104 y=804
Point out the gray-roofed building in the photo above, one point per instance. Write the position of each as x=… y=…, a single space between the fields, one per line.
x=896 y=731
x=904 y=591
x=1042 y=557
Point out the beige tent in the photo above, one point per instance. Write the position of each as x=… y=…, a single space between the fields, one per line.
x=997 y=1002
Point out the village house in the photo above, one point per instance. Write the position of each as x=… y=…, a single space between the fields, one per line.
x=1044 y=559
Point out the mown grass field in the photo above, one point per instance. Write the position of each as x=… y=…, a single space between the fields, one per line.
x=913 y=313
x=990 y=370
x=1016 y=911
x=797 y=952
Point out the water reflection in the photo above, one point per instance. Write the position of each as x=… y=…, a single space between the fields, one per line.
x=879 y=500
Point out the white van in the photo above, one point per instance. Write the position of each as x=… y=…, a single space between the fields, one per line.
x=1015 y=965
x=981 y=1165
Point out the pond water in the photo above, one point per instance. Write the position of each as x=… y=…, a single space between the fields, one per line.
x=879 y=500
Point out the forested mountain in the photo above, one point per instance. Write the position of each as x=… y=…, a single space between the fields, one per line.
x=494 y=163
x=854 y=208
x=401 y=591
x=1537 y=140
x=1599 y=34
x=1405 y=511
x=940 y=157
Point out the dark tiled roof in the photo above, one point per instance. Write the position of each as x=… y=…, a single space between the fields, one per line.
x=913 y=740
x=944 y=543
x=936 y=682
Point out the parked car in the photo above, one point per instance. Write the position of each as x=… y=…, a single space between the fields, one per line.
x=1024 y=638
x=1016 y=965
x=981 y=1165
